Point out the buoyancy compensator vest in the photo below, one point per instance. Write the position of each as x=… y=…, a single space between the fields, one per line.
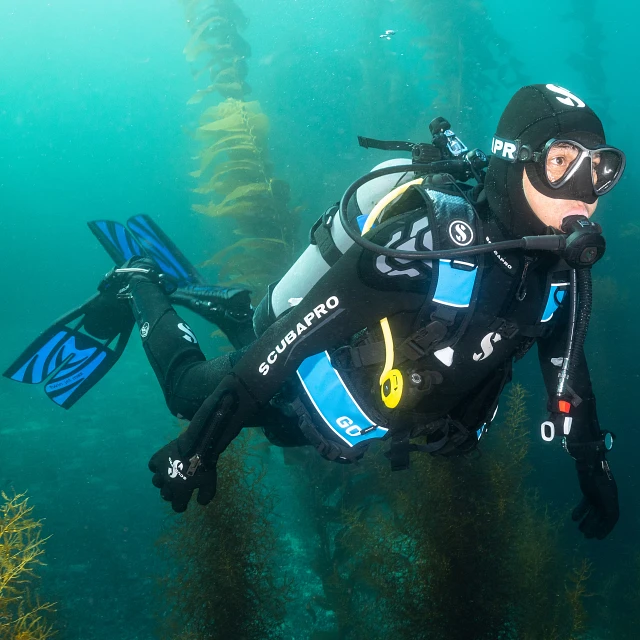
x=444 y=236
x=339 y=419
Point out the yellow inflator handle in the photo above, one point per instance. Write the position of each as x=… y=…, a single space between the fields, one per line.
x=391 y=382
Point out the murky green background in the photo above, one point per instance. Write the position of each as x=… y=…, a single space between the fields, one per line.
x=93 y=124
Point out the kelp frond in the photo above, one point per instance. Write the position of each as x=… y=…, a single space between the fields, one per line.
x=234 y=175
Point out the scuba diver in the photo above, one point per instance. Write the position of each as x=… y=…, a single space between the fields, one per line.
x=402 y=318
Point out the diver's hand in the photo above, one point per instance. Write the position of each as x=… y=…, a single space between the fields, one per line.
x=189 y=462
x=598 y=512
x=170 y=467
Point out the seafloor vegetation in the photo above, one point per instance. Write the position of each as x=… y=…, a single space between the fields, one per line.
x=453 y=549
x=22 y=615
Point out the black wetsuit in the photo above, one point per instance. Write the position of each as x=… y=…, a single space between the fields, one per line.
x=509 y=304
x=468 y=329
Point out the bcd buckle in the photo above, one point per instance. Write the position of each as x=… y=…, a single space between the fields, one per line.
x=417 y=345
x=505 y=328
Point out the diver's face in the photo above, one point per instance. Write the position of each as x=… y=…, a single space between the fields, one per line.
x=552 y=211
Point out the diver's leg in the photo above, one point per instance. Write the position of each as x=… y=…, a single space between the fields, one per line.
x=184 y=374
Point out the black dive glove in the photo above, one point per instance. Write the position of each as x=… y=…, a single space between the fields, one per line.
x=189 y=462
x=171 y=466
x=598 y=512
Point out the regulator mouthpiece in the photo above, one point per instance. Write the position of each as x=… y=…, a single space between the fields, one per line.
x=585 y=244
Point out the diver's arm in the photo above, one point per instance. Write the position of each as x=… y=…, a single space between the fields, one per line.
x=551 y=350
x=339 y=305
x=598 y=512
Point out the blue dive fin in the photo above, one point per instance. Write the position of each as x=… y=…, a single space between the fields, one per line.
x=163 y=250
x=68 y=360
x=119 y=243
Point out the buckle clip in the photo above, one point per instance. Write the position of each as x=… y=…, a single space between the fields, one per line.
x=417 y=345
x=505 y=328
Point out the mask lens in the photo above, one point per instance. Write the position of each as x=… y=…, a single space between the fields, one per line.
x=606 y=166
x=562 y=157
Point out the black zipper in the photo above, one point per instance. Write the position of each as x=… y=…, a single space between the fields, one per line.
x=521 y=293
x=221 y=413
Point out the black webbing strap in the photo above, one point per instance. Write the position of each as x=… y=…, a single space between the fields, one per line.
x=508 y=329
x=325 y=447
x=421 y=342
x=321 y=236
x=367 y=355
x=417 y=345
x=401 y=447
x=398 y=453
x=385 y=145
x=454 y=435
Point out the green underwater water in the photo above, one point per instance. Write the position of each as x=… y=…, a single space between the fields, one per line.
x=94 y=124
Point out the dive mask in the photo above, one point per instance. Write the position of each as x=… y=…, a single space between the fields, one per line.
x=567 y=167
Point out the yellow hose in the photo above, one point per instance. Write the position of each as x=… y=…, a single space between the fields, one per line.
x=390 y=197
x=388 y=346
x=393 y=399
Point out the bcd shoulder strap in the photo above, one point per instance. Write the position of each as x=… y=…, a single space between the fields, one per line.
x=320 y=235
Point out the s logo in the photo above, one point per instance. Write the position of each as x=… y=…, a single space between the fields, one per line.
x=567 y=97
x=461 y=233
x=487 y=346
x=382 y=264
x=188 y=335
x=175 y=469
x=144 y=330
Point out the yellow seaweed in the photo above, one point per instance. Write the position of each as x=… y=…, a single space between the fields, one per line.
x=243 y=144
x=22 y=616
x=256 y=123
x=235 y=175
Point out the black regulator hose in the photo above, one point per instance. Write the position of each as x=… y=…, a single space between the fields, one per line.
x=568 y=361
x=581 y=246
x=581 y=285
x=585 y=295
x=585 y=246
x=533 y=243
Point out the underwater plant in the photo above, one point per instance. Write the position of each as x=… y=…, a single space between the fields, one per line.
x=576 y=593
x=226 y=582
x=22 y=615
x=470 y=61
x=588 y=61
x=234 y=167
x=234 y=174
x=455 y=549
x=337 y=497
x=215 y=40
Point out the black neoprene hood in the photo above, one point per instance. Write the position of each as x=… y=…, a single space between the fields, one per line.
x=536 y=114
